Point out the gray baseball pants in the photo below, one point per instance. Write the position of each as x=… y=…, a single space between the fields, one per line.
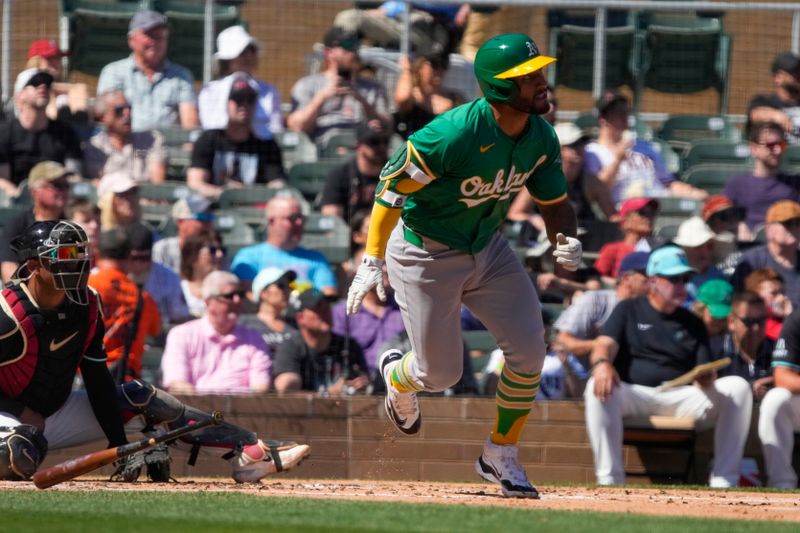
x=431 y=282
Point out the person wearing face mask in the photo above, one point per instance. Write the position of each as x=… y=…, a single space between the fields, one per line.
x=746 y=343
x=129 y=312
x=650 y=340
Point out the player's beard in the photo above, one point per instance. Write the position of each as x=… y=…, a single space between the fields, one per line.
x=531 y=106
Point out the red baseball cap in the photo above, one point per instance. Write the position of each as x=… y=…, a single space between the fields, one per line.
x=46 y=48
x=634 y=204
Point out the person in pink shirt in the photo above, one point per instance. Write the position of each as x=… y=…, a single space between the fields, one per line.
x=214 y=354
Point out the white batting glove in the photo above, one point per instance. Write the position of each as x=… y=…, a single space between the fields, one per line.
x=368 y=276
x=568 y=252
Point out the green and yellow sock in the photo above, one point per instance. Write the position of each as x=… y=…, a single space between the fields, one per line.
x=402 y=376
x=514 y=398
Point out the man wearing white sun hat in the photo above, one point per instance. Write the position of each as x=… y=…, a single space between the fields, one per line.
x=237 y=51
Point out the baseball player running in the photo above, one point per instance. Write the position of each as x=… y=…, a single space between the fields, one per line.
x=51 y=326
x=450 y=187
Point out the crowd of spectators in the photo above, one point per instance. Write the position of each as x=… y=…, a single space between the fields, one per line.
x=650 y=307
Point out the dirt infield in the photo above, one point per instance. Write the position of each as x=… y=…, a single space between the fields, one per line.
x=653 y=501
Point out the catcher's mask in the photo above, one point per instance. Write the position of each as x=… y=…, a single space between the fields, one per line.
x=62 y=247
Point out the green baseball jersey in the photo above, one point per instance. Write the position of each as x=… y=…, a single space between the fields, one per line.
x=470 y=171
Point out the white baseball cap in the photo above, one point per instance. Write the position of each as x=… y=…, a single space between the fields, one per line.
x=232 y=41
x=568 y=133
x=115 y=182
x=693 y=232
x=267 y=277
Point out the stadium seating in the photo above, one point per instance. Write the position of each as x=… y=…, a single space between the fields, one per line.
x=671 y=159
x=791 y=159
x=328 y=235
x=7 y=213
x=681 y=130
x=675 y=210
x=98 y=28
x=339 y=146
x=233 y=229
x=309 y=177
x=97 y=32
x=712 y=177
x=681 y=60
x=186 y=20
x=83 y=190
x=296 y=147
x=574 y=46
x=166 y=192
x=158 y=217
x=718 y=152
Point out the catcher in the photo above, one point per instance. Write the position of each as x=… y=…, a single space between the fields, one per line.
x=51 y=326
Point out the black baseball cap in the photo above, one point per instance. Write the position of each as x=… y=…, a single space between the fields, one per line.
x=242 y=88
x=114 y=244
x=342 y=38
x=788 y=61
x=307 y=299
x=140 y=237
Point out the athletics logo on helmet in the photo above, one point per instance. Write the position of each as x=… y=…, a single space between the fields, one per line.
x=63 y=249
x=505 y=57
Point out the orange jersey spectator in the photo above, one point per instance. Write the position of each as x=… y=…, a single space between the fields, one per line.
x=119 y=295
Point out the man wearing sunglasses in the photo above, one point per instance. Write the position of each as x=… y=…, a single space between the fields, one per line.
x=30 y=136
x=645 y=342
x=780 y=253
x=234 y=156
x=48 y=185
x=351 y=185
x=746 y=343
x=767 y=183
x=117 y=148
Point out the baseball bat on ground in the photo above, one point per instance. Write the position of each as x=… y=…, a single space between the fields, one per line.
x=86 y=463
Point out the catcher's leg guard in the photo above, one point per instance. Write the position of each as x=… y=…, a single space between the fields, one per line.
x=22 y=450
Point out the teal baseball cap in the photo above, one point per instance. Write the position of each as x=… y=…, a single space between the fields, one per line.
x=668 y=261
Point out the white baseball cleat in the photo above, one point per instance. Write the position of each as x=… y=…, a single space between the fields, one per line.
x=264 y=458
x=402 y=408
x=499 y=464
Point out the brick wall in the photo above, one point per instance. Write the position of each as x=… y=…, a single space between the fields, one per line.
x=351 y=439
